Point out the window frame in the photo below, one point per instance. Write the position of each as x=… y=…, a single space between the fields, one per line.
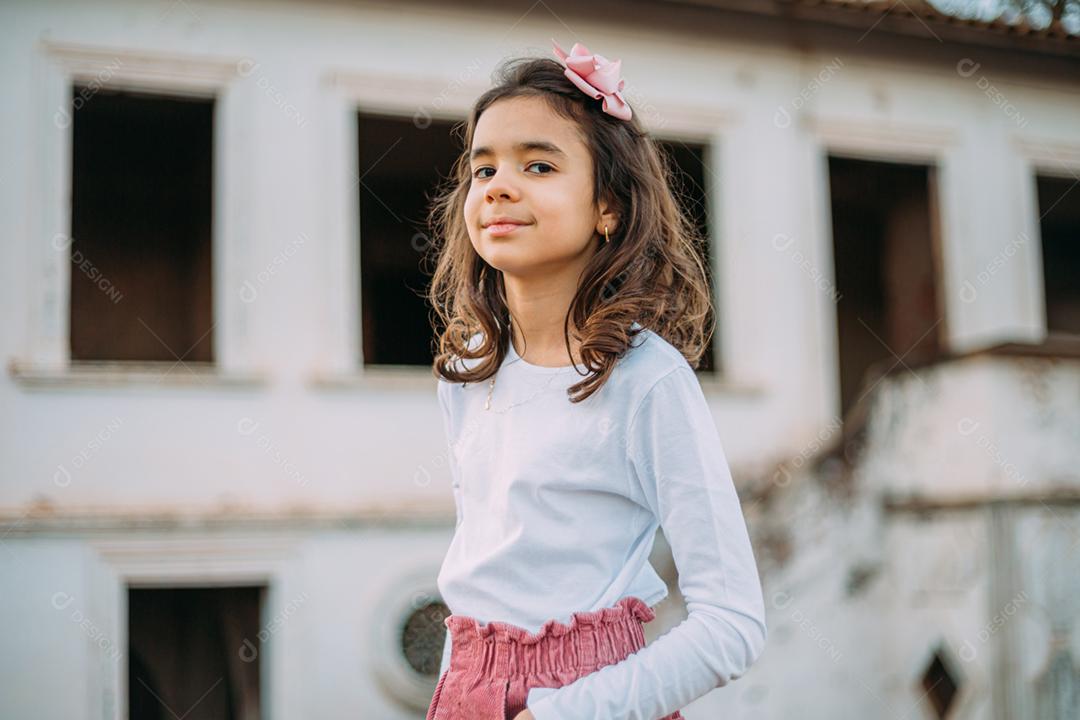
x=935 y=146
x=352 y=92
x=45 y=358
x=1041 y=158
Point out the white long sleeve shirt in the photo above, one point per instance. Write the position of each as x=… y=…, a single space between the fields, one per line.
x=557 y=507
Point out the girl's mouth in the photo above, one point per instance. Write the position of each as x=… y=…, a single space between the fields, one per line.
x=500 y=229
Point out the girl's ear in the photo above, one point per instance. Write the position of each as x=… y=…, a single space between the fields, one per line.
x=608 y=216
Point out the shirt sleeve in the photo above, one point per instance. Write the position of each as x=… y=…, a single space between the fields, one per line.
x=676 y=456
x=444 y=406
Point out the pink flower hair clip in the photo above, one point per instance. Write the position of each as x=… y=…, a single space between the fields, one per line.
x=596 y=76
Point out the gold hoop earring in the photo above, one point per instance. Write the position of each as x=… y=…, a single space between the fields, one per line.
x=608 y=237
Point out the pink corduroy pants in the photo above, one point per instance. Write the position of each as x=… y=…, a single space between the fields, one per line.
x=493 y=666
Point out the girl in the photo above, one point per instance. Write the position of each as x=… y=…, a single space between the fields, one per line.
x=564 y=254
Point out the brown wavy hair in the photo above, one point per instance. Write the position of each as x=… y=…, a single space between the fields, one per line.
x=651 y=271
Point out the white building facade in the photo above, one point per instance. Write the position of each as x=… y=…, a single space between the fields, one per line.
x=929 y=573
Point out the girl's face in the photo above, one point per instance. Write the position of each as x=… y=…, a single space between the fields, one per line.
x=529 y=164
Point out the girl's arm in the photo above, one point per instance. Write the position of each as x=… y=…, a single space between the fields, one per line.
x=683 y=474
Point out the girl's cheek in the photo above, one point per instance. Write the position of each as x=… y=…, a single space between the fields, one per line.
x=472 y=197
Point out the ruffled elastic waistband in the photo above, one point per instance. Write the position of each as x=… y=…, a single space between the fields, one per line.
x=589 y=640
x=629 y=606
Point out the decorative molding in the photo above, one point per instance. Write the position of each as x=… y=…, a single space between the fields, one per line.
x=153 y=69
x=876 y=139
x=1061 y=492
x=689 y=122
x=175 y=561
x=405 y=378
x=404 y=95
x=390 y=514
x=82 y=374
x=1049 y=155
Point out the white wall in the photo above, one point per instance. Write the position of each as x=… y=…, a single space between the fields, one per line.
x=285 y=157
x=289 y=428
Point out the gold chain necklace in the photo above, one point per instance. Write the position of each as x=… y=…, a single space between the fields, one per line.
x=491 y=385
x=542 y=389
x=491 y=389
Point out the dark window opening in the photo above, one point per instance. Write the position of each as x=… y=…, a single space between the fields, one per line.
x=692 y=188
x=888 y=307
x=401 y=166
x=140 y=227
x=1059 y=225
x=939 y=685
x=194 y=653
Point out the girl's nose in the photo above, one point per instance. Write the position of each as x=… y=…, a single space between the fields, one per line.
x=500 y=186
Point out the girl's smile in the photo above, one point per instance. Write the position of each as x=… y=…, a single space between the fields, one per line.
x=501 y=229
x=500 y=225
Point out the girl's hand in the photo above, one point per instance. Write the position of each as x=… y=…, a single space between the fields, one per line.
x=525 y=714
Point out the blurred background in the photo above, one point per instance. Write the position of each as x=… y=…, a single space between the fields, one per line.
x=223 y=480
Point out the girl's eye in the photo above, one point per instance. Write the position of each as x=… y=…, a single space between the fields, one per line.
x=476 y=173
